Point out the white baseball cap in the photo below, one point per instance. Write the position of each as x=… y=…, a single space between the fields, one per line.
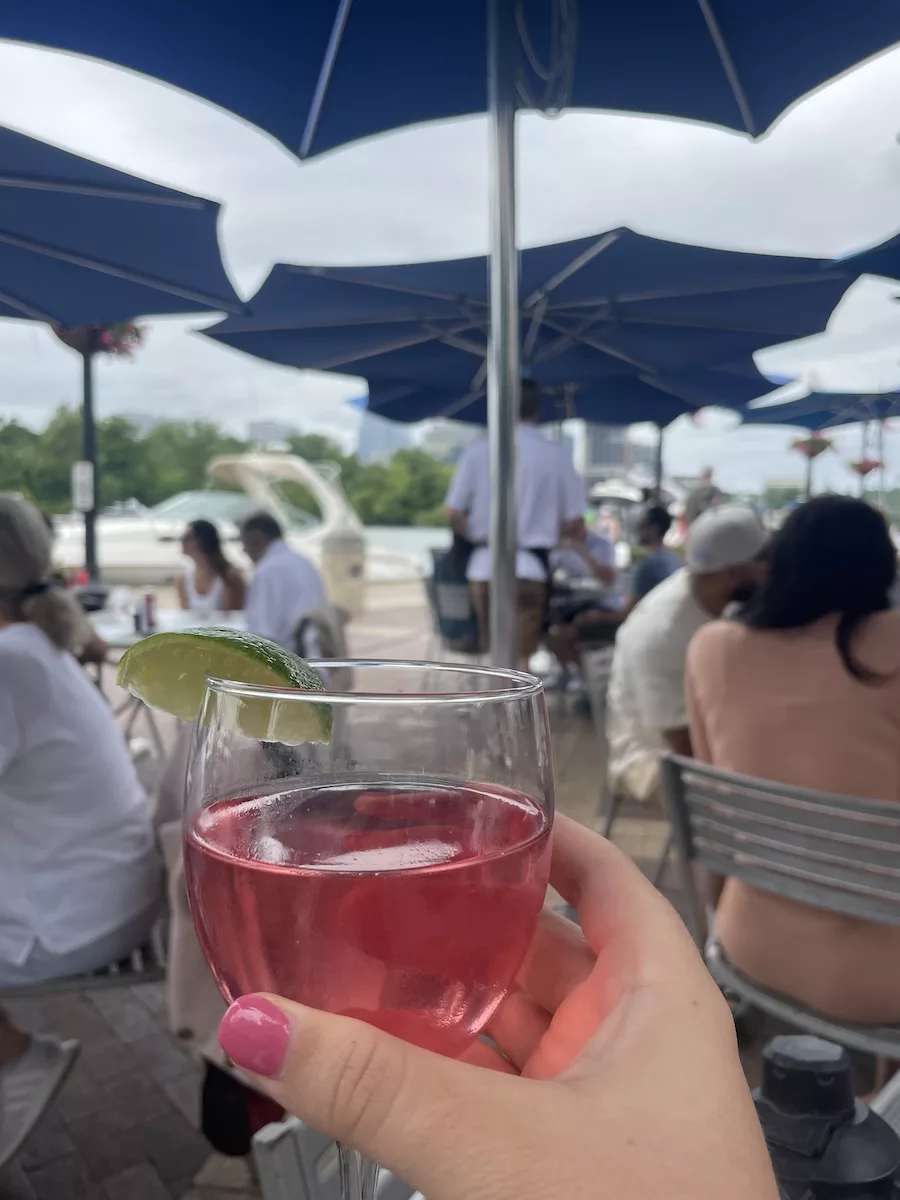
x=727 y=535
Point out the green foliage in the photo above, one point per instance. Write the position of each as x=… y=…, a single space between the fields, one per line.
x=779 y=497
x=172 y=457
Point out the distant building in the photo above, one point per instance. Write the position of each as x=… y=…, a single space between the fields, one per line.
x=446 y=440
x=380 y=438
x=609 y=451
x=556 y=433
x=265 y=433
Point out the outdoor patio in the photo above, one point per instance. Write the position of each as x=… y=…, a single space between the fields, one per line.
x=125 y=1125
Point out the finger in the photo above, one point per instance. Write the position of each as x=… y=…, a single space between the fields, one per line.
x=622 y=914
x=518 y=1026
x=559 y=959
x=407 y=1108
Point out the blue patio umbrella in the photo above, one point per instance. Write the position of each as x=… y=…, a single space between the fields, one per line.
x=84 y=245
x=318 y=75
x=619 y=304
x=619 y=400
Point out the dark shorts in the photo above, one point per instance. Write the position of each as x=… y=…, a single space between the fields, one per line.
x=531 y=600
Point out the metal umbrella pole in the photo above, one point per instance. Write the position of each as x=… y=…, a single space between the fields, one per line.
x=89 y=454
x=863 y=452
x=503 y=357
x=659 y=461
x=881 y=469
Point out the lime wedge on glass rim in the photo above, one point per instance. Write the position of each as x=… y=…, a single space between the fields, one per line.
x=168 y=671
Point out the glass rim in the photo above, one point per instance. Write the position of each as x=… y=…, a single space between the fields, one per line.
x=518 y=684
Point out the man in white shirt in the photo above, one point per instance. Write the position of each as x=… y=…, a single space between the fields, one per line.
x=550 y=504
x=285 y=586
x=646 y=710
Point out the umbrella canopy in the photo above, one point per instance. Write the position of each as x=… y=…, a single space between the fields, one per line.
x=826 y=410
x=593 y=310
x=623 y=400
x=316 y=75
x=83 y=244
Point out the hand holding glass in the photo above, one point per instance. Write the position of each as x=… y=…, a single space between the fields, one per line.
x=393 y=873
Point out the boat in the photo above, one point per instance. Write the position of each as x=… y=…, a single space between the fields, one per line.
x=143 y=549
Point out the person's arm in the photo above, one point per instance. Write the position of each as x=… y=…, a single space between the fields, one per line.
x=181 y=592
x=614 y=1072
x=602 y=563
x=460 y=494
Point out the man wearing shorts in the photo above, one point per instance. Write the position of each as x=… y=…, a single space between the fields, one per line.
x=550 y=504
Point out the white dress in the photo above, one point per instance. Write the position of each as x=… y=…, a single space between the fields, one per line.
x=208 y=604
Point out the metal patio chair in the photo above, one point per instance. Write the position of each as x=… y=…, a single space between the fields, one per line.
x=294 y=1162
x=832 y=852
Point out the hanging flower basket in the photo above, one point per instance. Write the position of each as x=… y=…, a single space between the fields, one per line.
x=812 y=446
x=120 y=338
x=864 y=466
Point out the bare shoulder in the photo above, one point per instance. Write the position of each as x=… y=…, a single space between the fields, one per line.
x=717 y=639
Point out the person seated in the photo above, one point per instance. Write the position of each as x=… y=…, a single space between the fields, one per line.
x=598 y=624
x=210 y=584
x=646 y=712
x=582 y=555
x=81 y=877
x=285 y=586
x=804 y=688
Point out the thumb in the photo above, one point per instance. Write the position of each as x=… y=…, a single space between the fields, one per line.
x=408 y=1108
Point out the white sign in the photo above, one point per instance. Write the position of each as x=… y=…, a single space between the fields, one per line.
x=82 y=486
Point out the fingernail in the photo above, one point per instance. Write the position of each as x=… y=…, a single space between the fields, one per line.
x=255 y=1034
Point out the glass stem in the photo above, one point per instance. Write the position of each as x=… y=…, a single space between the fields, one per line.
x=359 y=1175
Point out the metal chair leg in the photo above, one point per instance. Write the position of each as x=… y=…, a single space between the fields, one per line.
x=663 y=864
x=610 y=802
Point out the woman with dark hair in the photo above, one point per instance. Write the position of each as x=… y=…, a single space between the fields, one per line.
x=210 y=584
x=804 y=688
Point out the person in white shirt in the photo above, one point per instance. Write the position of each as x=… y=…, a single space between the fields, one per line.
x=80 y=876
x=285 y=586
x=550 y=504
x=646 y=706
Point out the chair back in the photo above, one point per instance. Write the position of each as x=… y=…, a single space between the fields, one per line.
x=295 y=1162
x=451 y=604
x=832 y=852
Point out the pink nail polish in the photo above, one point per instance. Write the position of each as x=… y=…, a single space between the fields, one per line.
x=255 y=1035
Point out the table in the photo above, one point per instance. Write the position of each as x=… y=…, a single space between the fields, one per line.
x=119 y=633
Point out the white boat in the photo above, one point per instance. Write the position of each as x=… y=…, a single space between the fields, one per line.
x=145 y=549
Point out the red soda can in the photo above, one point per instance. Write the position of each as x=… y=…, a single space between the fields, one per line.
x=148 y=610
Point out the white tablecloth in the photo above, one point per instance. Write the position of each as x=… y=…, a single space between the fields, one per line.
x=117 y=629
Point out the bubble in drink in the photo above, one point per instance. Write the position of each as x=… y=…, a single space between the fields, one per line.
x=408 y=906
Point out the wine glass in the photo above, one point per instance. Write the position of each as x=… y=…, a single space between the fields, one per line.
x=393 y=869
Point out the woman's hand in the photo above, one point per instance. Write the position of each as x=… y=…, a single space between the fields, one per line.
x=619 y=1075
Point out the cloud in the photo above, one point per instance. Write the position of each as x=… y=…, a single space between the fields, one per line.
x=825 y=181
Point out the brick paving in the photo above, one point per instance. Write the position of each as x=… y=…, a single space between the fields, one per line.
x=124 y=1127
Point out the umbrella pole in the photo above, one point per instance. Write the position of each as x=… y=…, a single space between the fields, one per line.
x=809 y=476
x=503 y=355
x=659 y=461
x=89 y=454
x=881 y=471
x=863 y=452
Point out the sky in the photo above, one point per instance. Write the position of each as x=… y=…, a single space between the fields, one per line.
x=824 y=181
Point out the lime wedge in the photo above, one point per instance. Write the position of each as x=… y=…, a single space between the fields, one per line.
x=168 y=671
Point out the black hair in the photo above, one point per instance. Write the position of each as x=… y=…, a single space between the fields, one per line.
x=658 y=517
x=833 y=555
x=207 y=538
x=264 y=523
x=529 y=400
